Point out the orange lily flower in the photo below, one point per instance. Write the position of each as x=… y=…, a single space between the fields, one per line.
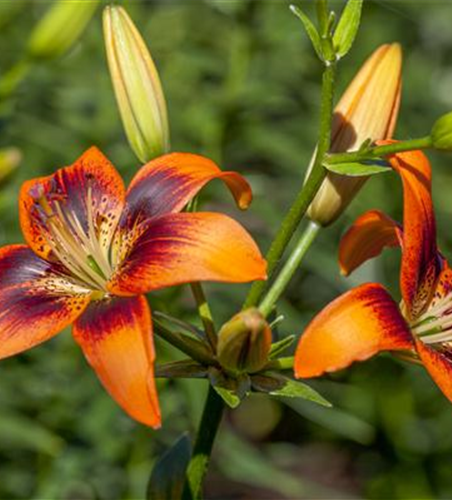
x=93 y=249
x=366 y=320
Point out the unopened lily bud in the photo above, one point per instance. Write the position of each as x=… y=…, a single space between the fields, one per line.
x=60 y=28
x=367 y=110
x=10 y=159
x=441 y=134
x=244 y=342
x=137 y=86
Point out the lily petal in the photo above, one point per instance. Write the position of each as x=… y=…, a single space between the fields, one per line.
x=115 y=335
x=36 y=300
x=438 y=365
x=366 y=238
x=420 y=261
x=354 y=327
x=169 y=182
x=185 y=247
x=90 y=189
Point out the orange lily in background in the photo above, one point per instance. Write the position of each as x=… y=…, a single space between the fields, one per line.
x=93 y=249
x=366 y=320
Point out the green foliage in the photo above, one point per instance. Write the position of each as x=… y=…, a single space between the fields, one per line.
x=168 y=476
x=347 y=27
x=359 y=169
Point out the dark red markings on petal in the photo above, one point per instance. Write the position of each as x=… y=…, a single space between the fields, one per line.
x=36 y=301
x=115 y=335
x=420 y=261
x=91 y=180
x=185 y=247
x=169 y=182
x=354 y=327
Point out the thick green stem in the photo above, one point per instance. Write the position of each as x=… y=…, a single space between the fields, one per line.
x=380 y=151
x=197 y=468
x=308 y=191
x=204 y=313
x=289 y=268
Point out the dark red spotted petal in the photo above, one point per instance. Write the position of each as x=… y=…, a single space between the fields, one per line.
x=187 y=247
x=420 y=261
x=354 y=327
x=116 y=337
x=36 y=300
x=90 y=189
x=169 y=182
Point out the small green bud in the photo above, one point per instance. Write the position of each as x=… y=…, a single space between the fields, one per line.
x=244 y=342
x=60 y=28
x=137 y=86
x=10 y=159
x=441 y=134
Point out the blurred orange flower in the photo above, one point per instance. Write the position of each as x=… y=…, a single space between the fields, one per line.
x=366 y=320
x=93 y=249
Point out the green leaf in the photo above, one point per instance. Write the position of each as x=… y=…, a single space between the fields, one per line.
x=179 y=325
x=311 y=30
x=278 y=347
x=168 y=475
x=276 y=384
x=359 y=169
x=232 y=390
x=347 y=28
x=185 y=368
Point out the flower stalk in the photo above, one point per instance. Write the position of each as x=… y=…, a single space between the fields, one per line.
x=199 y=462
x=291 y=265
x=378 y=152
x=308 y=191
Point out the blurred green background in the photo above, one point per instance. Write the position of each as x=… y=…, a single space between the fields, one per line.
x=242 y=85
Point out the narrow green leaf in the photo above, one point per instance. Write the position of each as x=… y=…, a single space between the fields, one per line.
x=232 y=390
x=276 y=384
x=278 y=347
x=168 y=475
x=228 y=396
x=355 y=169
x=185 y=368
x=347 y=28
x=311 y=30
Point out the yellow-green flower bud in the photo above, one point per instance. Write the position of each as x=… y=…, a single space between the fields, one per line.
x=137 y=86
x=60 y=27
x=244 y=342
x=10 y=159
x=367 y=110
x=441 y=134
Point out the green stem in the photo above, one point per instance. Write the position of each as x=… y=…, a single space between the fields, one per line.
x=380 y=151
x=289 y=268
x=308 y=191
x=281 y=364
x=205 y=313
x=197 y=468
